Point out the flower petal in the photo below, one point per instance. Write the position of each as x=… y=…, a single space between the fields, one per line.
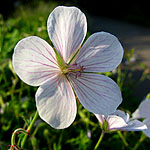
x=115 y=122
x=102 y=52
x=134 y=125
x=56 y=102
x=143 y=110
x=34 y=60
x=100 y=118
x=67 y=29
x=147 y=122
x=122 y=114
x=97 y=93
x=136 y=114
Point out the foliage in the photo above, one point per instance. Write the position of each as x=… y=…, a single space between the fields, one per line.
x=17 y=104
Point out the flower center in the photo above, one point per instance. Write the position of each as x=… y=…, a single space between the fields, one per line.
x=74 y=70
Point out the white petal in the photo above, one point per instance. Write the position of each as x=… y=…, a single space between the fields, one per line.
x=134 y=125
x=147 y=123
x=34 y=60
x=115 y=122
x=122 y=114
x=144 y=109
x=97 y=93
x=56 y=102
x=102 y=52
x=67 y=29
x=147 y=132
x=136 y=114
x=100 y=118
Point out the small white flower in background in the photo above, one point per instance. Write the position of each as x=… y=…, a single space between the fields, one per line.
x=119 y=120
x=143 y=112
x=24 y=99
x=2 y=109
x=89 y=134
x=132 y=60
x=69 y=68
x=39 y=29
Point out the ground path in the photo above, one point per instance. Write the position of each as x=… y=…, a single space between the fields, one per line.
x=131 y=36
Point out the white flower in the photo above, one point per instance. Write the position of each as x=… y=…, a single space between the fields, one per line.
x=69 y=68
x=119 y=120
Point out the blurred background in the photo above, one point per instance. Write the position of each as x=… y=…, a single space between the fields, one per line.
x=130 y=11
x=128 y=20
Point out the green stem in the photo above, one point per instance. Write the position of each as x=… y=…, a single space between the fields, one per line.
x=29 y=129
x=123 y=139
x=142 y=138
x=14 y=136
x=100 y=139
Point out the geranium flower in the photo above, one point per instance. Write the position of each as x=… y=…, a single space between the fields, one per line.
x=143 y=112
x=69 y=68
x=119 y=120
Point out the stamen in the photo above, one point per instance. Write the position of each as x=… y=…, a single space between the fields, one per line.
x=74 y=70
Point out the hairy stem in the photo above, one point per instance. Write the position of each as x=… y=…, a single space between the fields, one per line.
x=29 y=129
x=17 y=131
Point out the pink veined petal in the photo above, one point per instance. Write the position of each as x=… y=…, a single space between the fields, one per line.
x=100 y=118
x=118 y=123
x=134 y=125
x=97 y=93
x=34 y=60
x=67 y=29
x=56 y=102
x=102 y=52
x=115 y=122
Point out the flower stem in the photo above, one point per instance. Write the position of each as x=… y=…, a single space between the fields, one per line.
x=13 y=144
x=29 y=129
x=100 y=139
x=142 y=138
x=123 y=139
